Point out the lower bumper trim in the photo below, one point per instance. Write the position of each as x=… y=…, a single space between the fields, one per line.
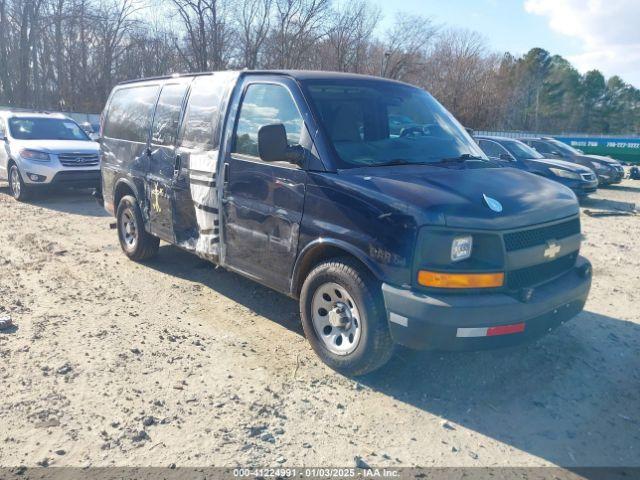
x=491 y=331
x=77 y=178
x=485 y=320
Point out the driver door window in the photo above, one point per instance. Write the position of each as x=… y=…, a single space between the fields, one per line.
x=266 y=104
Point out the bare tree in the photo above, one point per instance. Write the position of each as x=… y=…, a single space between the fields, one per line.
x=298 y=27
x=254 y=23
x=459 y=71
x=407 y=45
x=68 y=54
x=207 y=32
x=114 y=20
x=346 y=47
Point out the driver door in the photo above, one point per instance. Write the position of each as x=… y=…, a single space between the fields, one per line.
x=263 y=201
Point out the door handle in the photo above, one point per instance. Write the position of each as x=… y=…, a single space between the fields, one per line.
x=225 y=174
x=177 y=165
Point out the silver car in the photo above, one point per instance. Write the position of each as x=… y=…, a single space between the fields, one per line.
x=45 y=149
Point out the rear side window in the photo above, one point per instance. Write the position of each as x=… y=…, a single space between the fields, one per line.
x=202 y=117
x=129 y=114
x=165 y=121
x=266 y=104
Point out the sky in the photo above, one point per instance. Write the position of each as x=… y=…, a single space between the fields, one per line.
x=591 y=34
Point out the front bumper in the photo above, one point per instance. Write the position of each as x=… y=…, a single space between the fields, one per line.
x=582 y=187
x=610 y=177
x=52 y=173
x=423 y=321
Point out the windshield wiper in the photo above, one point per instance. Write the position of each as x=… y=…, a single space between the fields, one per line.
x=397 y=161
x=461 y=159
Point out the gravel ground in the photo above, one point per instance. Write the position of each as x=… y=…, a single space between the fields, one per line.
x=175 y=362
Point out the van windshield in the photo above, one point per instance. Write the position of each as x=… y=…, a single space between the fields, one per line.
x=374 y=123
x=36 y=128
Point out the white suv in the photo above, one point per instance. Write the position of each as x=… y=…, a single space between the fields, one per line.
x=45 y=149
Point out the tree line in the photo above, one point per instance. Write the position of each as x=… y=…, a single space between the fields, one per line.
x=67 y=55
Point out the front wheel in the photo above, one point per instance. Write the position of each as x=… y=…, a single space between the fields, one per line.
x=344 y=319
x=17 y=187
x=135 y=241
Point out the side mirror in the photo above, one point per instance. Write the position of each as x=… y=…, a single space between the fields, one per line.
x=273 y=146
x=557 y=153
x=506 y=157
x=4 y=138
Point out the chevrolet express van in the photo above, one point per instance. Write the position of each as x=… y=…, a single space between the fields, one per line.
x=361 y=197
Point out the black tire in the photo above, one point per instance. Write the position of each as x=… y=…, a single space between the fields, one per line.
x=375 y=346
x=137 y=244
x=20 y=191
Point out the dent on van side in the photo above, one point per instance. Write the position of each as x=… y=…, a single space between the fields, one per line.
x=361 y=197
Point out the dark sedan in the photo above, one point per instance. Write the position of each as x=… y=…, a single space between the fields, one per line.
x=513 y=153
x=607 y=169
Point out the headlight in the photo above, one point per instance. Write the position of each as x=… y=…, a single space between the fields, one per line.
x=34 y=155
x=558 y=172
x=461 y=248
x=599 y=166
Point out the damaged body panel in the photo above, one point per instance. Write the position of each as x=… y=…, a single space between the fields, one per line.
x=362 y=197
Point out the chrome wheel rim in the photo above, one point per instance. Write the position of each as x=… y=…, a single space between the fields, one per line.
x=15 y=182
x=336 y=319
x=128 y=229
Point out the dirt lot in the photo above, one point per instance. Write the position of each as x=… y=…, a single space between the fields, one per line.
x=175 y=362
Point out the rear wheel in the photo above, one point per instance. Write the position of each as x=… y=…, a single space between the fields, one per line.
x=344 y=318
x=135 y=241
x=17 y=187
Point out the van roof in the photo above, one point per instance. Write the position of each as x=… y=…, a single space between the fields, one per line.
x=296 y=74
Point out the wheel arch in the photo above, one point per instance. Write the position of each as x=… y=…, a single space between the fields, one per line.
x=124 y=187
x=323 y=249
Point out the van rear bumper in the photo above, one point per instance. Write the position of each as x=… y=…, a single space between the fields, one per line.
x=470 y=321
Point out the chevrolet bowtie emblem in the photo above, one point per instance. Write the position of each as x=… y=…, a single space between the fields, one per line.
x=492 y=203
x=552 y=250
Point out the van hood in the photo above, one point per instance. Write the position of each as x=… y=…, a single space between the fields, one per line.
x=455 y=197
x=57 y=146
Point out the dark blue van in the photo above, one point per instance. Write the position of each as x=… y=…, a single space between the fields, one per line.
x=362 y=197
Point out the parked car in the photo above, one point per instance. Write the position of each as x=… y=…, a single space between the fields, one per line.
x=608 y=170
x=293 y=179
x=43 y=150
x=513 y=153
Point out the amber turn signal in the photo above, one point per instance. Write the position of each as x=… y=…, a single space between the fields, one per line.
x=460 y=280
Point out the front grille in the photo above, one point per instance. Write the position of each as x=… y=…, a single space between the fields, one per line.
x=78 y=159
x=589 y=177
x=537 y=274
x=539 y=236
